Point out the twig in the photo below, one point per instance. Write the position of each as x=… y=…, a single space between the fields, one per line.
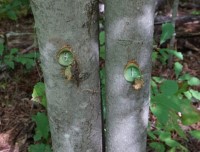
x=187 y=18
x=185 y=35
x=171 y=44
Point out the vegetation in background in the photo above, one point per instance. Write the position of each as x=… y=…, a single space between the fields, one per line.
x=42 y=131
x=13 y=56
x=171 y=101
x=12 y=9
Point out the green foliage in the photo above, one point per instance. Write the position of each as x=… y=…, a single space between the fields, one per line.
x=169 y=87
x=13 y=8
x=102 y=37
x=195 y=94
x=154 y=56
x=39 y=95
x=1 y=49
x=192 y=81
x=164 y=54
x=42 y=129
x=170 y=104
x=42 y=133
x=171 y=101
x=192 y=94
x=178 y=67
x=195 y=13
x=39 y=148
x=159 y=147
x=102 y=44
x=167 y=32
x=195 y=134
x=11 y=57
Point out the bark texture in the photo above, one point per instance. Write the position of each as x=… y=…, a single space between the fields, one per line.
x=129 y=35
x=74 y=111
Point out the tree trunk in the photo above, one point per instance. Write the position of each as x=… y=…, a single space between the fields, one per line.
x=74 y=107
x=129 y=36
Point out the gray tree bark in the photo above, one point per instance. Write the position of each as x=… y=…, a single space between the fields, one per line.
x=74 y=111
x=129 y=35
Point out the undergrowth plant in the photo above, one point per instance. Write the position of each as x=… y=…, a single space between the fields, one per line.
x=12 y=9
x=42 y=131
x=13 y=56
x=171 y=102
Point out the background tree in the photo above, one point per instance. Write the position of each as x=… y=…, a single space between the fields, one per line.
x=129 y=35
x=73 y=95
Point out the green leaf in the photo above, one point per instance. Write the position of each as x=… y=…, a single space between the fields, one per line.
x=160 y=113
x=169 y=87
x=194 y=81
x=164 y=56
x=154 y=87
x=28 y=62
x=12 y=15
x=38 y=94
x=178 y=68
x=163 y=106
x=102 y=52
x=102 y=44
x=1 y=49
x=158 y=79
x=195 y=94
x=159 y=147
x=188 y=95
x=195 y=12
x=42 y=129
x=179 y=55
x=185 y=77
x=178 y=129
x=172 y=150
x=39 y=148
x=16 y=3
x=195 y=134
x=102 y=37
x=189 y=114
x=154 y=56
x=166 y=137
x=32 y=55
x=183 y=87
x=151 y=135
x=167 y=32
x=10 y=64
x=172 y=143
x=21 y=60
x=13 y=51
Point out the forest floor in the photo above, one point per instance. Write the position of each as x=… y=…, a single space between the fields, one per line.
x=16 y=86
